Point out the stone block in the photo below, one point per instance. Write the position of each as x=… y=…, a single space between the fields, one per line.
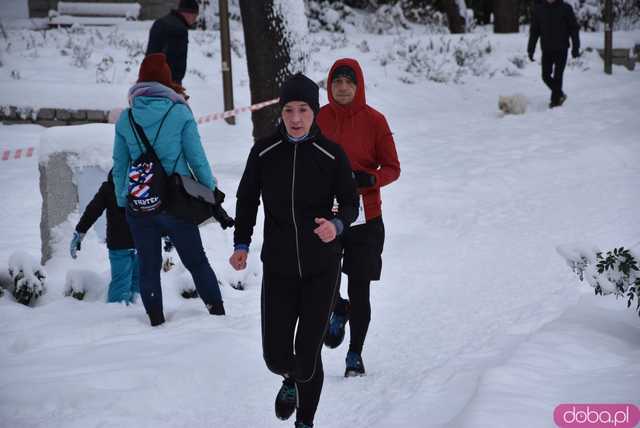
x=59 y=198
x=63 y=114
x=46 y=114
x=78 y=115
x=96 y=116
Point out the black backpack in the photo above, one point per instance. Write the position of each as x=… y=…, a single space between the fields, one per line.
x=147 y=189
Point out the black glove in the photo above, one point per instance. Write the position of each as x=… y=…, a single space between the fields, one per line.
x=531 y=56
x=222 y=217
x=218 y=195
x=575 y=53
x=364 y=179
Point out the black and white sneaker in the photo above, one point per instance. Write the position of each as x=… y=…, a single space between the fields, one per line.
x=355 y=366
x=286 y=400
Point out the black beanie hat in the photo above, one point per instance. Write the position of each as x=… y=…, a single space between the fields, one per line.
x=189 y=6
x=300 y=88
x=345 y=71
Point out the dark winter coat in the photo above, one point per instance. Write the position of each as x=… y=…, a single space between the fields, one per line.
x=298 y=183
x=364 y=135
x=118 y=234
x=554 y=23
x=170 y=35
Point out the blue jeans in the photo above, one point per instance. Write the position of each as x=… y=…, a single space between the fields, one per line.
x=124 y=276
x=147 y=234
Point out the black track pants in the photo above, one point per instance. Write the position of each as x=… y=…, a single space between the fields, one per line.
x=295 y=316
x=553 y=64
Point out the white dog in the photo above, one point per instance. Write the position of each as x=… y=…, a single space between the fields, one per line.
x=513 y=104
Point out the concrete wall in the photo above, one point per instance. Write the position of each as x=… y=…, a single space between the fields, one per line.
x=151 y=9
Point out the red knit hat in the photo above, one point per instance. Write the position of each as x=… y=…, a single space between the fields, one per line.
x=154 y=68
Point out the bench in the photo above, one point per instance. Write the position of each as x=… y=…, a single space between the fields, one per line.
x=621 y=56
x=69 y=13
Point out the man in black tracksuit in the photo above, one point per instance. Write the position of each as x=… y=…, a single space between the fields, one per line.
x=169 y=35
x=554 y=22
x=298 y=173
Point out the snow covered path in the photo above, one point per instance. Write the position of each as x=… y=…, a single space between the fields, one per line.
x=472 y=311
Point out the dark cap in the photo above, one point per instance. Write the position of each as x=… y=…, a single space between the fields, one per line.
x=345 y=71
x=300 y=88
x=189 y=6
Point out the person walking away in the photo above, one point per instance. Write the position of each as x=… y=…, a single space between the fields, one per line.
x=298 y=173
x=554 y=23
x=123 y=260
x=167 y=121
x=170 y=35
x=365 y=136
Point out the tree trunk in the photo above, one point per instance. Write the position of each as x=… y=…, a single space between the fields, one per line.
x=456 y=21
x=271 y=58
x=506 y=16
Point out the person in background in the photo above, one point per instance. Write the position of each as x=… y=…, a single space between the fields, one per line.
x=365 y=136
x=170 y=35
x=161 y=111
x=122 y=254
x=298 y=173
x=554 y=23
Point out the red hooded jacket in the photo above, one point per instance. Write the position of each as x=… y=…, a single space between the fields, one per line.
x=365 y=137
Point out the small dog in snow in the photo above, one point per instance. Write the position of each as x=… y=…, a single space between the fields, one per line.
x=513 y=104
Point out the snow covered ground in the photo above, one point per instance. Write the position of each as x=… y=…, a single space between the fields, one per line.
x=477 y=320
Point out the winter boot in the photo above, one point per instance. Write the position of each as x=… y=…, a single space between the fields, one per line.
x=335 y=335
x=355 y=367
x=156 y=318
x=300 y=424
x=286 y=399
x=216 y=308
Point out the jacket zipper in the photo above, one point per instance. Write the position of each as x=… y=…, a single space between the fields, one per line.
x=293 y=211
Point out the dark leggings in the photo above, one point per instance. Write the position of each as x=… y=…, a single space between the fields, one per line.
x=295 y=317
x=359 y=308
x=359 y=312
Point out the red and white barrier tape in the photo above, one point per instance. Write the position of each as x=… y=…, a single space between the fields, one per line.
x=17 y=153
x=235 y=112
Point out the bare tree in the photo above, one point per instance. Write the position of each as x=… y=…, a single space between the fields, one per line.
x=457 y=23
x=272 y=37
x=506 y=15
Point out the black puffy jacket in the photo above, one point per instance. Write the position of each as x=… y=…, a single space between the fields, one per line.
x=298 y=183
x=170 y=35
x=554 y=23
x=118 y=234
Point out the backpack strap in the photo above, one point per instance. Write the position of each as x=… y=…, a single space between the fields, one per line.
x=140 y=132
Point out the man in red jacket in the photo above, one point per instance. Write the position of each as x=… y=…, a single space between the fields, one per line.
x=364 y=135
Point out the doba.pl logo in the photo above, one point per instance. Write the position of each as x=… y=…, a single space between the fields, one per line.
x=596 y=415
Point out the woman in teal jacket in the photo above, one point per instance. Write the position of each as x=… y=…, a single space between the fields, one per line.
x=177 y=145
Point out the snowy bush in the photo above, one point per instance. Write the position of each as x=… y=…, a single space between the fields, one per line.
x=84 y=285
x=27 y=276
x=386 y=19
x=327 y=16
x=519 y=61
x=440 y=60
x=589 y=14
x=615 y=272
x=80 y=56
x=103 y=68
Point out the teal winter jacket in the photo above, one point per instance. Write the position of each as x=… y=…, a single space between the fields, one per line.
x=178 y=138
